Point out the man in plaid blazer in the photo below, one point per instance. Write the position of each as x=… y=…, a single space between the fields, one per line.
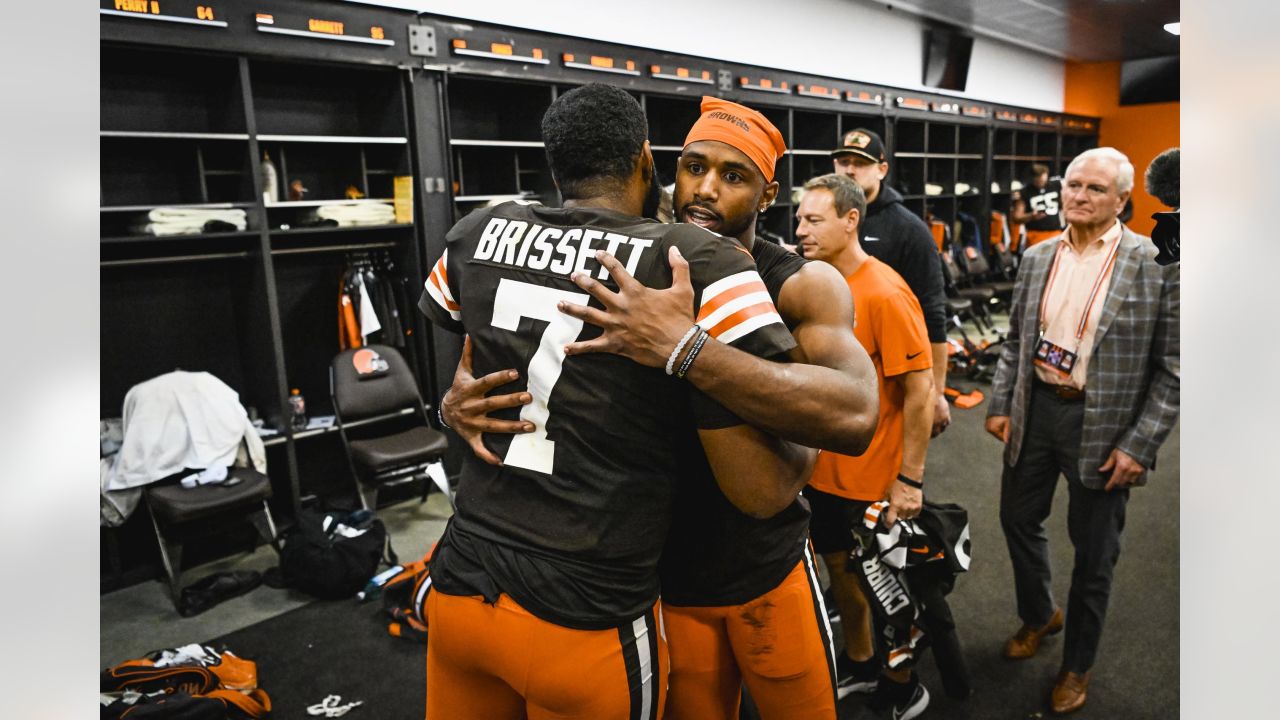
x=1087 y=387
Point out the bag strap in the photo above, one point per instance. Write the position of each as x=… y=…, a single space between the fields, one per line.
x=388 y=553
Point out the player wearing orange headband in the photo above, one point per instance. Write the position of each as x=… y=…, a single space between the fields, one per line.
x=751 y=609
x=741 y=599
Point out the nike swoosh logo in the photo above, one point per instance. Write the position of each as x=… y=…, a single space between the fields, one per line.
x=922 y=551
x=914 y=354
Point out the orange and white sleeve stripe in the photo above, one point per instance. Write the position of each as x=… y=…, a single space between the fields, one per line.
x=734 y=306
x=438 y=288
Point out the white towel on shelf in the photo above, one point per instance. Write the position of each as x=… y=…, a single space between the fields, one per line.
x=202 y=215
x=186 y=221
x=365 y=213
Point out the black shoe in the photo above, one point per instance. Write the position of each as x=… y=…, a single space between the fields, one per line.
x=902 y=701
x=856 y=677
x=207 y=592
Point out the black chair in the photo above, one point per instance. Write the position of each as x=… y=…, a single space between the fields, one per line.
x=170 y=505
x=371 y=386
x=977 y=271
x=1006 y=262
x=971 y=302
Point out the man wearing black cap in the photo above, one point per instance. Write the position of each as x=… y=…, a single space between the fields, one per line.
x=898 y=238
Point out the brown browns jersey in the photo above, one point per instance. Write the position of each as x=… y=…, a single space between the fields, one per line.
x=572 y=525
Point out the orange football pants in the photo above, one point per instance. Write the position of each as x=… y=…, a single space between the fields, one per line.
x=778 y=644
x=491 y=662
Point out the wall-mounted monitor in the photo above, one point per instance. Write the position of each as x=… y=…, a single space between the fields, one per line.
x=946 y=57
x=1149 y=80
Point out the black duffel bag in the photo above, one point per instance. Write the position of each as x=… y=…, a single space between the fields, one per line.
x=333 y=555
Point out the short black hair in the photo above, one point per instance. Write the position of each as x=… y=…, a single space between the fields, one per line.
x=593 y=135
x=1162 y=177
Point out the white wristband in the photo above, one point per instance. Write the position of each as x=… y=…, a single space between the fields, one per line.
x=671 y=361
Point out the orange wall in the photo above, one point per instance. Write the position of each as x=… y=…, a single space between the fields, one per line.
x=1139 y=131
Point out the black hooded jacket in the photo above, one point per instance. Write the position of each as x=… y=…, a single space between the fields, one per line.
x=898 y=238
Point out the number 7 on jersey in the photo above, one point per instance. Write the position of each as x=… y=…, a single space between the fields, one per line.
x=515 y=300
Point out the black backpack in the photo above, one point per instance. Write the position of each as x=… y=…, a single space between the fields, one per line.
x=317 y=560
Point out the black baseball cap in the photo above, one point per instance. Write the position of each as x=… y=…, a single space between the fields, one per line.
x=861 y=142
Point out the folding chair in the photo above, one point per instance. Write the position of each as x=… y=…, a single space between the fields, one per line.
x=170 y=505
x=371 y=386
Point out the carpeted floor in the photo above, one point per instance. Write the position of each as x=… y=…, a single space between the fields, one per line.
x=1136 y=675
x=335 y=648
x=342 y=648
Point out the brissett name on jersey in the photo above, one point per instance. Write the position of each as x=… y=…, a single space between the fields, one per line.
x=556 y=250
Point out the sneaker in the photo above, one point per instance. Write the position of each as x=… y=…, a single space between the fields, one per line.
x=902 y=701
x=856 y=677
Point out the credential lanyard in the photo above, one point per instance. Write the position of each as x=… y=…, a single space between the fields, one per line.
x=1093 y=294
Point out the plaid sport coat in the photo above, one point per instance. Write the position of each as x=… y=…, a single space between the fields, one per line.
x=1132 y=383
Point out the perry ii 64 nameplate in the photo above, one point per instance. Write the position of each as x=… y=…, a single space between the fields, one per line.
x=323 y=23
x=183 y=13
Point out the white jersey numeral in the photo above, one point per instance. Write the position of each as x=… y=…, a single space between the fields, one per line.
x=1046 y=203
x=515 y=300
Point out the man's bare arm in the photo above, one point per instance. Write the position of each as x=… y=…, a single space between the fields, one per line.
x=828 y=397
x=759 y=473
x=1018 y=213
x=941 y=408
x=905 y=501
x=829 y=400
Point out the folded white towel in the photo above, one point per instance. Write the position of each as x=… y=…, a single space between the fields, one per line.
x=201 y=215
x=178 y=228
x=187 y=221
x=346 y=214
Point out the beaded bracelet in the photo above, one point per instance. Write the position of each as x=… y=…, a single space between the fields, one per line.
x=671 y=361
x=693 y=353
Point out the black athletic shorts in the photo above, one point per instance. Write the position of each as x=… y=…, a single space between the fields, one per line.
x=831 y=520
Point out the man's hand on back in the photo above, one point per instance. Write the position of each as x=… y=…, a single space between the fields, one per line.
x=466 y=409
x=639 y=323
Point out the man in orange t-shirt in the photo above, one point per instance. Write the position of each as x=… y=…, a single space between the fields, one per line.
x=890 y=325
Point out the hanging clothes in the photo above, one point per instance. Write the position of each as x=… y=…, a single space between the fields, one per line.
x=369 y=323
x=348 y=328
x=371 y=302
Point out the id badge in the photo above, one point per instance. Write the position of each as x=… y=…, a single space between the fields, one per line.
x=1055 y=357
